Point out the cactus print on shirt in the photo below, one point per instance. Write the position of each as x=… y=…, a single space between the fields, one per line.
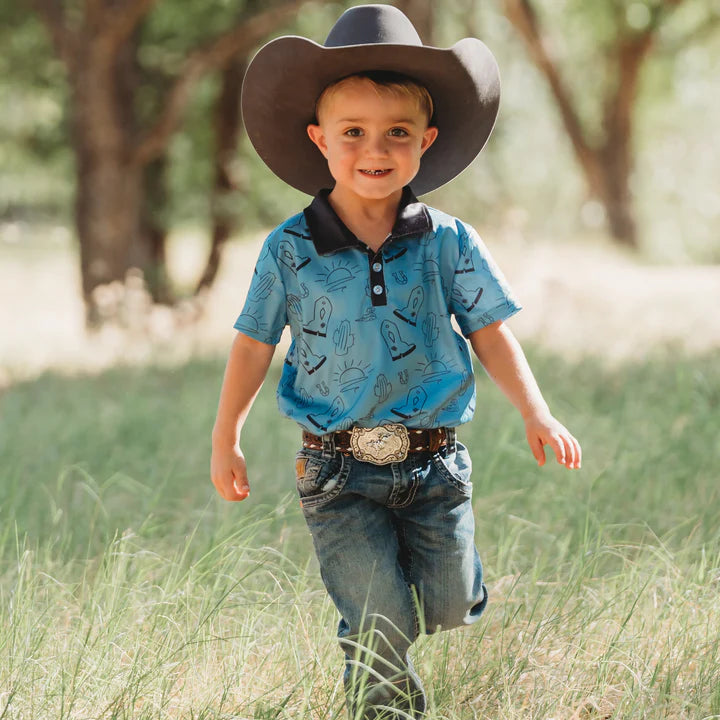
x=372 y=337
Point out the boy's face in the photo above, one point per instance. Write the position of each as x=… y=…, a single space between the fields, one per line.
x=372 y=139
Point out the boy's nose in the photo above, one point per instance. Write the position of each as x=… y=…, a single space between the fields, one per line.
x=377 y=145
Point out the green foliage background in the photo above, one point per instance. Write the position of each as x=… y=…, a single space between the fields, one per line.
x=525 y=180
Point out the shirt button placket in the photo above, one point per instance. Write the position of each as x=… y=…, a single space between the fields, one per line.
x=377 y=280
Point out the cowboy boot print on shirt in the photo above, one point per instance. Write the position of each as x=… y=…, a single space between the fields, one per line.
x=467 y=298
x=465 y=264
x=308 y=359
x=297 y=229
x=287 y=256
x=321 y=316
x=409 y=313
x=336 y=409
x=414 y=404
x=395 y=344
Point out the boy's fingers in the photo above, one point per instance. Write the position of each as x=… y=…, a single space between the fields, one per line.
x=241 y=488
x=572 y=451
x=569 y=452
x=538 y=449
x=231 y=485
x=578 y=452
x=558 y=446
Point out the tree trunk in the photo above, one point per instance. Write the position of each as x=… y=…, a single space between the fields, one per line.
x=108 y=192
x=227 y=123
x=607 y=165
x=616 y=197
x=151 y=257
x=97 y=42
x=615 y=157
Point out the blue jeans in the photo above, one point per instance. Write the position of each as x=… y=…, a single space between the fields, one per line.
x=396 y=550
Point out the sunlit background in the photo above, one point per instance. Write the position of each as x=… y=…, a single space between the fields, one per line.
x=528 y=193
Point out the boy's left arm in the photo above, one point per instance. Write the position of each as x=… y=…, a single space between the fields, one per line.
x=503 y=359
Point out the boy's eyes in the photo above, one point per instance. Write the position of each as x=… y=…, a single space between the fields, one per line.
x=393 y=132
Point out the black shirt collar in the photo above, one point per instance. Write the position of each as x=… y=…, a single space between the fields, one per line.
x=329 y=233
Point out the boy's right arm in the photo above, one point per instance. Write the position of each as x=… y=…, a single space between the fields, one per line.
x=246 y=369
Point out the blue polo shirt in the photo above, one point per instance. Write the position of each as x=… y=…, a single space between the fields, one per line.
x=372 y=338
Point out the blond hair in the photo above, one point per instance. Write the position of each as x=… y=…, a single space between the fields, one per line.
x=384 y=81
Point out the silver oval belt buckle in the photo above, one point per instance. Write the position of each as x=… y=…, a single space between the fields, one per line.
x=380 y=445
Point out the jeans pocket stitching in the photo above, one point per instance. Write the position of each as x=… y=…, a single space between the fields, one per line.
x=449 y=476
x=408 y=496
x=325 y=497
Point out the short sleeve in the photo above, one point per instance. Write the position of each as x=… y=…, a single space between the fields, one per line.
x=264 y=315
x=480 y=293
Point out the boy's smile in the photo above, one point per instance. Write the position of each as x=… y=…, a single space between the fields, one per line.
x=373 y=140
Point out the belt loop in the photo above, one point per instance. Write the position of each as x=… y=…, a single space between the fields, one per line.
x=451 y=436
x=328 y=441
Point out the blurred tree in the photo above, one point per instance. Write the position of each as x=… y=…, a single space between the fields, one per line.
x=227 y=124
x=33 y=124
x=421 y=15
x=623 y=35
x=119 y=153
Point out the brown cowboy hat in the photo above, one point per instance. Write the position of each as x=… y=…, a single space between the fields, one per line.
x=286 y=76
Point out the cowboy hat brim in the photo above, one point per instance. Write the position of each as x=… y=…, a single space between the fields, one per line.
x=287 y=75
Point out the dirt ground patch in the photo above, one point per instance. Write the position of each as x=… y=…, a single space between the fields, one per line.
x=584 y=299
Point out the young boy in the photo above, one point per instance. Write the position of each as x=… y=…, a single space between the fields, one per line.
x=368 y=279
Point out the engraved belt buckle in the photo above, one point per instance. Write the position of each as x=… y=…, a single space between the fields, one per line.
x=380 y=445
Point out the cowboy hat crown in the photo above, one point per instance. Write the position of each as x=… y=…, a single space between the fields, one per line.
x=368 y=24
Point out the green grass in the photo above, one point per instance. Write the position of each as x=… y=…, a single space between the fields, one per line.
x=129 y=590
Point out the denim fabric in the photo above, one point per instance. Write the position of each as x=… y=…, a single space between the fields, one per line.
x=396 y=550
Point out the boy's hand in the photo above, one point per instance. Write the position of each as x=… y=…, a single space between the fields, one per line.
x=229 y=473
x=546 y=430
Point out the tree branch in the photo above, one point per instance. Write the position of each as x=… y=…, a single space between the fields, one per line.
x=63 y=39
x=237 y=41
x=119 y=23
x=523 y=17
x=630 y=54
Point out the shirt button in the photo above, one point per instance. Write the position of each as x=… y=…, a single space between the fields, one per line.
x=378 y=289
x=377 y=267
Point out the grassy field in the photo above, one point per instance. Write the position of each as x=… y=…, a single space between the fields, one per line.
x=129 y=590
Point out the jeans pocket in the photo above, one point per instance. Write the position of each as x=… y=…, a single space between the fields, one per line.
x=455 y=468
x=319 y=479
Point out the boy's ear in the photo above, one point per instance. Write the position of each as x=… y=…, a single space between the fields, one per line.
x=429 y=137
x=316 y=134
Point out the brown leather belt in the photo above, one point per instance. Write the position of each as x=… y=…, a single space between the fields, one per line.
x=419 y=440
